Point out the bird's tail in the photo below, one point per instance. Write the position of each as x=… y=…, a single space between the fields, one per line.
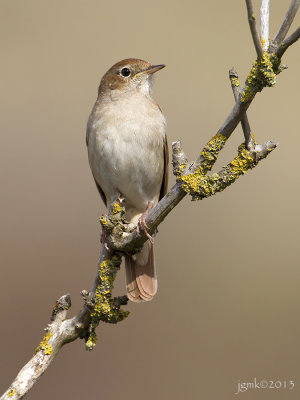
x=140 y=274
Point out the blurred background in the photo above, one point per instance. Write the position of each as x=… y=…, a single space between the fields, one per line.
x=227 y=310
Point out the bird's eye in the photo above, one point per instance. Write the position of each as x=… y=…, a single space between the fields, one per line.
x=125 y=71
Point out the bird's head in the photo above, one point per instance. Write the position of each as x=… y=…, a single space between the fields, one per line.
x=129 y=75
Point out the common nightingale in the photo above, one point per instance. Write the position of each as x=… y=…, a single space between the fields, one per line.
x=128 y=156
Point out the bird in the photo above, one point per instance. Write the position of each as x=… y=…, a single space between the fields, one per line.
x=128 y=156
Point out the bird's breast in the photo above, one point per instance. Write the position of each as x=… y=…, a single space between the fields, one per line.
x=126 y=153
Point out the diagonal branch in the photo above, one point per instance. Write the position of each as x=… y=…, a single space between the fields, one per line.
x=192 y=178
x=255 y=150
x=287 y=43
x=253 y=29
x=235 y=86
x=58 y=332
x=263 y=73
x=285 y=25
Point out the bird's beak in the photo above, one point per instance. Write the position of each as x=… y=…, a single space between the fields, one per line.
x=151 y=69
x=154 y=68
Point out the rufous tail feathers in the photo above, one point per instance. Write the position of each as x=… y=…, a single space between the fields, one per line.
x=140 y=275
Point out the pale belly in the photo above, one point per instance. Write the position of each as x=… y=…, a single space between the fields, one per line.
x=128 y=158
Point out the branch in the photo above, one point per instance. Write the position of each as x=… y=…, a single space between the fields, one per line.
x=285 y=25
x=235 y=86
x=98 y=304
x=255 y=150
x=192 y=178
x=263 y=73
x=58 y=332
x=254 y=33
x=264 y=23
x=287 y=43
x=104 y=307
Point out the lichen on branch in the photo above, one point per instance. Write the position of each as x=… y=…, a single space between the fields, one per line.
x=199 y=185
x=44 y=345
x=105 y=307
x=262 y=74
x=210 y=152
x=234 y=81
x=115 y=221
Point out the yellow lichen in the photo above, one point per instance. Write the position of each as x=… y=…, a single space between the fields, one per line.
x=44 y=345
x=91 y=342
x=235 y=82
x=240 y=164
x=211 y=151
x=11 y=393
x=116 y=209
x=199 y=185
x=102 y=221
x=198 y=181
x=105 y=307
x=262 y=74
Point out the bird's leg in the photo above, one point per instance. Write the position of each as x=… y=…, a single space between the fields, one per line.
x=141 y=225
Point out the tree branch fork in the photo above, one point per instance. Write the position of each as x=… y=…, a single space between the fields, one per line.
x=192 y=178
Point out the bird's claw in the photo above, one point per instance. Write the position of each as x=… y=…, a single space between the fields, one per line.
x=141 y=225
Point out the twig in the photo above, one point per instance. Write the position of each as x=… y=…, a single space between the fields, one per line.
x=178 y=156
x=253 y=29
x=59 y=332
x=235 y=86
x=287 y=43
x=257 y=151
x=234 y=118
x=285 y=25
x=263 y=73
x=241 y=107
x=264 y=23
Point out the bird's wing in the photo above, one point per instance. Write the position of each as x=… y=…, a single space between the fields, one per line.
x=164 y=184
x=103 y=197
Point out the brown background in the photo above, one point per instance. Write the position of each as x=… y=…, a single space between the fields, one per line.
x=228 y=302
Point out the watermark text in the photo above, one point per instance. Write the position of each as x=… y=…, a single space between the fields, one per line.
x=255 y=384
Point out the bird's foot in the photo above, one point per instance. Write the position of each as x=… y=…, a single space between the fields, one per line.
x=141 y=225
